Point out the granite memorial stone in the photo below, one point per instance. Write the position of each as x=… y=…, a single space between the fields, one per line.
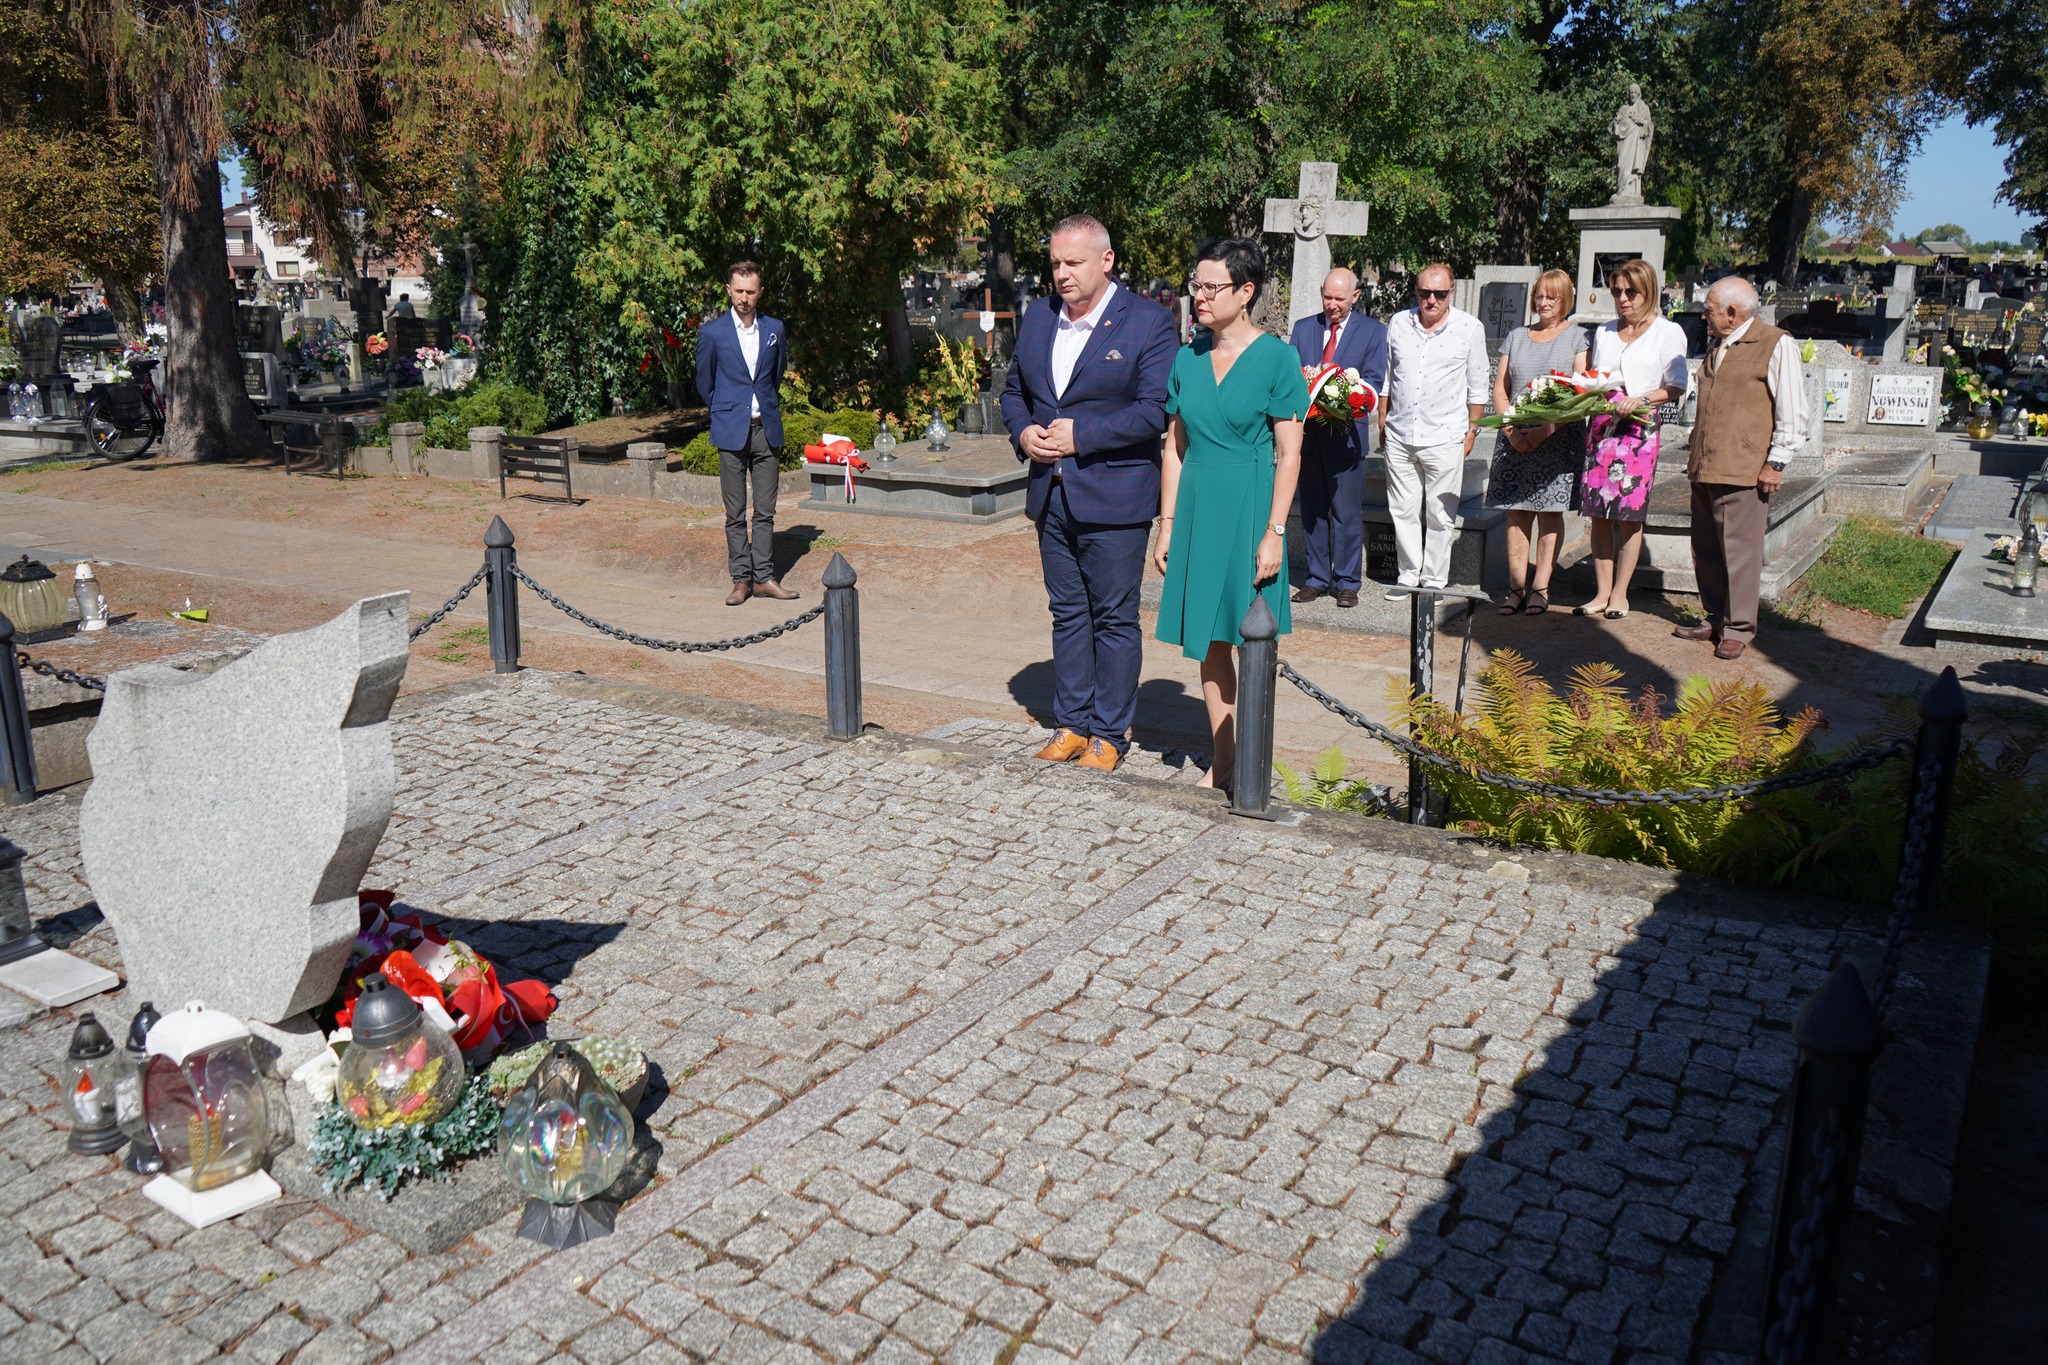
x=232 y=816
x=1312 y=219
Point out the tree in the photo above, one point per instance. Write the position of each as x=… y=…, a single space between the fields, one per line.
x=833 y=146
x=1175 y=119
x=1993 y=69
x=77 y=193
x=1796 y=109
x=1946 y=232
x=292 y=80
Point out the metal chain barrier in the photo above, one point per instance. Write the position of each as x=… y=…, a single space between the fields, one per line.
x=1912 y=866
x=676 y=646
x=1798 y=1291
x=1394 y=739
x=62 y=675
x=423 y=627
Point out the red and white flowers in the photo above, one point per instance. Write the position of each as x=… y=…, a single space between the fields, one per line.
x=1338 y=394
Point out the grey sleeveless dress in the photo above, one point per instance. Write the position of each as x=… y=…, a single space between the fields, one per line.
x=1544 y=479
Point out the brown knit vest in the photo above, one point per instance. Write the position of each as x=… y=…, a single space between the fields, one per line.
x=1731 y=434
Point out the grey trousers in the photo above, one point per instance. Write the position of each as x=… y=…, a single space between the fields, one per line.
x=1728 y=525
x=750 y=559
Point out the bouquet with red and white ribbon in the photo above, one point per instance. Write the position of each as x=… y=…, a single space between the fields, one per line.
x=839 y=450
x=1338 y=394
x=1558 y=399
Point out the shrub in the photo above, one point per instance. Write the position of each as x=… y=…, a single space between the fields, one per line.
x=1326 y=788
x=801 y=426
x=449 y=415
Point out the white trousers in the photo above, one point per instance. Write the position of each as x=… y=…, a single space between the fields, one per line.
x=1423 y=483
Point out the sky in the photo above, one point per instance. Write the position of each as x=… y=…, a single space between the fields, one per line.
x=1955 y=179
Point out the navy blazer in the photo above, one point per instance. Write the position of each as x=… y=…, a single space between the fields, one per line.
x=1116 y=399
x=1361 y=346
x=728 y=390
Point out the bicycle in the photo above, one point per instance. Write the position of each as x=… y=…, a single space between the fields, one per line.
x=124 y=420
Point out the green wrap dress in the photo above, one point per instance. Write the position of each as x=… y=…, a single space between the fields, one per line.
x=1226 y=489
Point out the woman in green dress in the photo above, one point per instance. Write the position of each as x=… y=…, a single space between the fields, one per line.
x=1236 y=400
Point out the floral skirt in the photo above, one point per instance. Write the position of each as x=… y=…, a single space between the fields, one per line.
x=1621 y=463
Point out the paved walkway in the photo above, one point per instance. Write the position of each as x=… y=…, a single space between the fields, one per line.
x=977 y=1059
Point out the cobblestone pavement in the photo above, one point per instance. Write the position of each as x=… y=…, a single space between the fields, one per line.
x=973 y=1058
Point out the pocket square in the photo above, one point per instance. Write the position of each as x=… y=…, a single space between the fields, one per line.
x=1113 y=355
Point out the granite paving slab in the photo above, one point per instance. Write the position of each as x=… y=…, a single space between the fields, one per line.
x=965 y=1056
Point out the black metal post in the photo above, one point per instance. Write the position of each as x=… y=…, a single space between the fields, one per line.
x=334 y=446
x=1839 y=1034
x=842 y=648
x=17 y=744
x=1258 y=667
x=1421 y=682
x=502 y=591
x=1943 y=709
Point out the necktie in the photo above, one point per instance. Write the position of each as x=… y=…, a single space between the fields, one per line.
x=1330 y=346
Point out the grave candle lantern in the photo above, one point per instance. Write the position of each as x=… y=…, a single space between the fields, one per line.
x=143 y=1157
x=885 y=445
x=935 y=434
x=565 y=1138
x=90 y=1071
x=400 y=1067
x=202 y=1097
x=30 y=596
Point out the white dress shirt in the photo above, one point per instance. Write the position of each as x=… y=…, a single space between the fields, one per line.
x=1656 y=359
x=1071 y=338
x=1434 y=377
x=1787 y=383
x=750 y=350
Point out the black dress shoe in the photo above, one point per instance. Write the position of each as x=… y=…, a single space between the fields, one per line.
x=1307 y=594
x=1346 y=597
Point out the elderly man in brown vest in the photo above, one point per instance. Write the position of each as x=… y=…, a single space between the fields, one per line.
x=1751 y=412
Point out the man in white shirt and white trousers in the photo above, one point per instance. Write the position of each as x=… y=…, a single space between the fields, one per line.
x=1437 y=386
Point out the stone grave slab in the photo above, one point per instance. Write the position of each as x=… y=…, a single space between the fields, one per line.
x=232 y=816
x=975 y=479
x=1797 y=532
x=1976 y=608
x=1973 y=501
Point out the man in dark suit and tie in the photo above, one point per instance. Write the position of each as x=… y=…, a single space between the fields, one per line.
x=1086 y=401
x=1333 y=454
x=739 y=373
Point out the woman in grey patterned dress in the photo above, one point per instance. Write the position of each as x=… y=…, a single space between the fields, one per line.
x=1536 y=469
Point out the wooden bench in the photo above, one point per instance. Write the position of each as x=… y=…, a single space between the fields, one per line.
x=544 y=459
x=330 y=438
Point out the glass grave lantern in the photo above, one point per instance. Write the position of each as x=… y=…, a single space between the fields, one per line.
x=400 y=1067
x=935 y=433
x=565 y=1138
x=202 y=1096
x=91 y=1069
x=31 y=597
x=143 y=1157
x=885 y=445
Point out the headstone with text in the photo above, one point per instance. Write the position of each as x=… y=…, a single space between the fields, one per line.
x=1312 y=219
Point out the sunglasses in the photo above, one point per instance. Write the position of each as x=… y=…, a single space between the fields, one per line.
x=1432 y=293
x=1623 y=292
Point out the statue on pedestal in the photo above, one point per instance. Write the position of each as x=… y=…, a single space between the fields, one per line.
x=1633 y=128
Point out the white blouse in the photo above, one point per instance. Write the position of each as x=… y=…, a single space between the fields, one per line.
x=1656 y=359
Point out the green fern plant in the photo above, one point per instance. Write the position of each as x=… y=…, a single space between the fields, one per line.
x=1326 y=788
x=1593 y=735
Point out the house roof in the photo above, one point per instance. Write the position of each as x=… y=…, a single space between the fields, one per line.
x=1906 y=249
x=1946 y=248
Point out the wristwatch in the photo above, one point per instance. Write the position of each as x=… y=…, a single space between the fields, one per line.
x=1278 y=528
x=1777 y=464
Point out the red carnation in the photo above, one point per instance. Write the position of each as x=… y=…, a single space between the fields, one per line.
x=646 y=361
x=670 y=338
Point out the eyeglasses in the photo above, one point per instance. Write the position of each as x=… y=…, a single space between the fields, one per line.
x=1624 y=292
x=1432 y=293
x=1210 y=291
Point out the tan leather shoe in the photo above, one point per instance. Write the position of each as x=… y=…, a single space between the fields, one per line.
x=1101 y=756
x=741 y=591
x=1704 y=631
x=1065 y=745
x=775 y=590
x=1729 y=649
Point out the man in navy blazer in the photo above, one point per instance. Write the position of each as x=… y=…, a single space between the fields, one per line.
x=1333 y=454
x=1086 y=403
x=740 y=356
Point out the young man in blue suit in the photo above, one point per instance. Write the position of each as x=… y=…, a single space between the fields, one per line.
x=1333 y=454
x=740 y=356
x=1086 y=403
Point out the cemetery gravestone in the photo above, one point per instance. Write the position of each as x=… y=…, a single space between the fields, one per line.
x=1315 y=216
x=1624 y=228
x=42 y=342
x=232 y=816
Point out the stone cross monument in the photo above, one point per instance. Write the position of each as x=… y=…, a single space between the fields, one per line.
x=1313 y=218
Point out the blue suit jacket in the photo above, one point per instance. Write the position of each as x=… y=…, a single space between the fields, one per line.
x=729 y=391
x=1362 y=346
x=1116 y=399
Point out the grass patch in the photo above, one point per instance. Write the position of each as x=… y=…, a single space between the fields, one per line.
x=34 y=467
x=1874 y=567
